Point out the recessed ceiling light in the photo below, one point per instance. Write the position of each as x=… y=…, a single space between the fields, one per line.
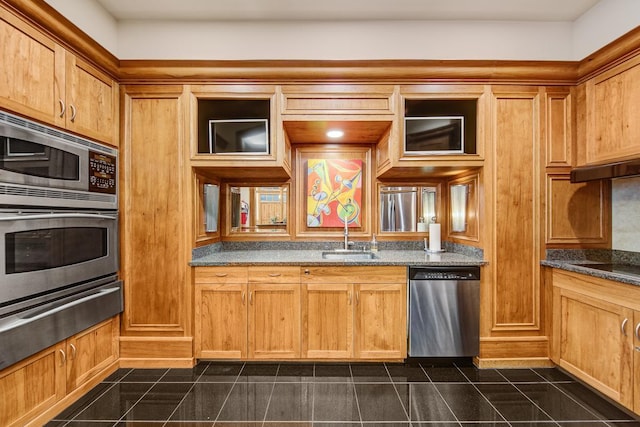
x=335 y=133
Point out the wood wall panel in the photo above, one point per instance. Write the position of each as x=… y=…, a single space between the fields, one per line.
x=153 y=230
x=559 y=127
x=516 y=299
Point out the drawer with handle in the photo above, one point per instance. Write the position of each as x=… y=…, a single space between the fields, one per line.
x=212 y=275
x=274 y=274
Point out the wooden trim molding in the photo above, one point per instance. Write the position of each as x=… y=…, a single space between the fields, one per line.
x=545 y=72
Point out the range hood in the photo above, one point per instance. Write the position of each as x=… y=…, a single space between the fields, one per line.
x=606 y=171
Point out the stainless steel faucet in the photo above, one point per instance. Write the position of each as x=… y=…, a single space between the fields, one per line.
x=346 y=234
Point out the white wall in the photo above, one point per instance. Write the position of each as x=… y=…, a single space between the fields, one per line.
x=606 y=21
x=625 y=200
x=603 y=23
x=91 y=18
x=344 y=40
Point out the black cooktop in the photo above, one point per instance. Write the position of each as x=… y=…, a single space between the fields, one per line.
x=615 y=268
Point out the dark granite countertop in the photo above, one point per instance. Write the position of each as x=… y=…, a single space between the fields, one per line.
x=314 y=257
x=582 y=266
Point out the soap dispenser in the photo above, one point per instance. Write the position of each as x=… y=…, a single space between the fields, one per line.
x=374 y=244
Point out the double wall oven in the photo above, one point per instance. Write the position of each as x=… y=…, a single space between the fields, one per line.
x=58 y=236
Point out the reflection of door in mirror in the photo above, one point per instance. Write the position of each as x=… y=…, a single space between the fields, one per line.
x=271 y=205
x=258 y=209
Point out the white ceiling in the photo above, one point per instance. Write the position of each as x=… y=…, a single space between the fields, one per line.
x=347 y=10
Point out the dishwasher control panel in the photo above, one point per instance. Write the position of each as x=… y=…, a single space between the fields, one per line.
x=444 y=273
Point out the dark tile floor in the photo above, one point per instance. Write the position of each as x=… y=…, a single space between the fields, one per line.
x=325 y=395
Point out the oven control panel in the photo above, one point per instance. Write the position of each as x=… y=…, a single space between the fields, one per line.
x=102 y=173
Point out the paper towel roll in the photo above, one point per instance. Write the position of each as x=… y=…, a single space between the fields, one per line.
x=434 y=237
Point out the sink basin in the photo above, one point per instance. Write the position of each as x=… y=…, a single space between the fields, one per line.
x=347 y=254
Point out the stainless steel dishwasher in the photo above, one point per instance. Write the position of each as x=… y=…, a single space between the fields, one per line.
x=444 y=311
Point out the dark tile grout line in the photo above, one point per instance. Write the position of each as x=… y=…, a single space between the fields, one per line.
x=355 y=393
x=186 y=394
x=406 y=410
x=439 y=394
x=273 y=386
x=527 y=397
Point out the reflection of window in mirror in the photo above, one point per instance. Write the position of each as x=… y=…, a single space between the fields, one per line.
x=463 y=207
x=459 y=208
x=259 y=209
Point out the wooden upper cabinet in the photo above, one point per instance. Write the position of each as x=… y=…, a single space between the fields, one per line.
x=338 y=100
x=31 y=71
x=45 y=82
x=613 y=106
x=92 y=101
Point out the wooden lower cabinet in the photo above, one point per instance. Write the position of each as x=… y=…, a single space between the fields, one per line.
x=247 y=313
x=354 y=313
x=327 y=321
x=381 y=321
x=31 y=388
x=593 y=334
x=221 y=321
x=284 y=313
x=274 y=320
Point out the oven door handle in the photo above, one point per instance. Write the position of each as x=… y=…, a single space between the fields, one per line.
x=39 y=314
x=57 y=216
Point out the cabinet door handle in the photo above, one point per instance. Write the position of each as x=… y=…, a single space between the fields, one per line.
x=251 y=297
x=63 y=107
x=73 y=351
x=275 y=274
x=349 y=297
x=73 y=112
x=221 y=274
x=637 y=331
x=306 y=271
x=357 y=297
x=63 y=359
x=623 y=327
x=243 y=295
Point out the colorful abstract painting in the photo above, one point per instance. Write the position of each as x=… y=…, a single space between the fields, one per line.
x=334 y=192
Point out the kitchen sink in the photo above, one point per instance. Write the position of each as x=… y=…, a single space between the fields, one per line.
x=348 y=254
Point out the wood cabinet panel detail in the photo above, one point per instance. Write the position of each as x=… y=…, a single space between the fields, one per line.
x=577 y=213
x=559 y=127
x=153 y=211
x=613 y=106
x=338 y=99
x=516 y=146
